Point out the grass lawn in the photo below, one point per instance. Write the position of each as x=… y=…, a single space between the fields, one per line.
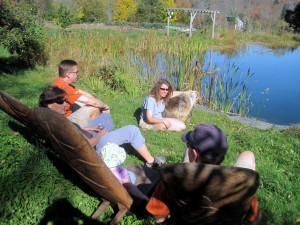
x=37 y=188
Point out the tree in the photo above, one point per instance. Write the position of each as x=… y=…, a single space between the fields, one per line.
x=65 y=18
x=148 y=11
x=22 y=33
x=124 y=10
x=92 y=10
x=163 y=16
x=293 y=18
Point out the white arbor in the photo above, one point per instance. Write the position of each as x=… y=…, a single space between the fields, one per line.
x=193 y=13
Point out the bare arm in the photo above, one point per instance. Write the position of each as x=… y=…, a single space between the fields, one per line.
x=154 y=120
x=92 y=101
x=176 y=93
x=94 y=140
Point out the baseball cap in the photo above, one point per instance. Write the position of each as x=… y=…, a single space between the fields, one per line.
x=209 y=140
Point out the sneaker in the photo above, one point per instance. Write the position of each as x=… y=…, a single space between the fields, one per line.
x=158 y=161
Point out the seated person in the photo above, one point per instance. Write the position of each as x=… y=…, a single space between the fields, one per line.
x=205 y=144
x=88 y=107
x=54 y=99
x=154 y=105
x=113 y=156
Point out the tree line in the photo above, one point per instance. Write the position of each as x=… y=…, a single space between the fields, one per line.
x=21 y=28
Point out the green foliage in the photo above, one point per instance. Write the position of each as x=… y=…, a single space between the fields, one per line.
x=64 y=17
x=92 y=10
x=22 y=33
x=124 y=10
x=38 y=188
x=293 y=18
x=119 y=79
x=149 y=11
x=227 y=92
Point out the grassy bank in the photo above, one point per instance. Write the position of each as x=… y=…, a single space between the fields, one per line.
x=37 y=188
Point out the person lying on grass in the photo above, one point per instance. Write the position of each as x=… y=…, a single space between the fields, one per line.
x=54 y=99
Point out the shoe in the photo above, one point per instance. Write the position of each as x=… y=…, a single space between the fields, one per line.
x=158 y=161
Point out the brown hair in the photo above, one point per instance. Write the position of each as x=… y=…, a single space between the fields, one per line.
x=51 y=95
x=155 y=89
x=65 y=66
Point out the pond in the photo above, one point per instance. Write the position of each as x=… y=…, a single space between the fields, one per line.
x=274 y=87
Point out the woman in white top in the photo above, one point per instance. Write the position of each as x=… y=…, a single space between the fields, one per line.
x=153 y=107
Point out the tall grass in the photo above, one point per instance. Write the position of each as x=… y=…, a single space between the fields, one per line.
x=226 y=90
x=118 y=59
x=150 y=54
x=37 y=188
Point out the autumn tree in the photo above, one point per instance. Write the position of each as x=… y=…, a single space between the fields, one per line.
x=125 y=9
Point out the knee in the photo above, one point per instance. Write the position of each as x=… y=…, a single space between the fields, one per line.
x=94 y=112
x=249 y=157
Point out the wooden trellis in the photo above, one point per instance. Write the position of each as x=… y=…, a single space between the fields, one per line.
x=192 y=13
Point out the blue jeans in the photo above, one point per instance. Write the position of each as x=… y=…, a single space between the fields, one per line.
x=128 y=134
x=103 y=119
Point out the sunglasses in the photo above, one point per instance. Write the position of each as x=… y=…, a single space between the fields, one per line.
x=164 y=89
x=60 y=101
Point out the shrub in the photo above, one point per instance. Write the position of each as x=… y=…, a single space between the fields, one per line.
x=22 y=33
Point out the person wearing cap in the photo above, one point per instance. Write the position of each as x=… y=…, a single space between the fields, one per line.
x=205 y=144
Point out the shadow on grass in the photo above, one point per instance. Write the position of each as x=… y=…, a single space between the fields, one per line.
x=69 y=173
x=12 y=65
x=137 y=114
x=59 y=164
x=62 y=212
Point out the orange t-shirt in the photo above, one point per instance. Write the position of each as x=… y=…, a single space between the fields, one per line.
x=157 y=203
x=72 y=93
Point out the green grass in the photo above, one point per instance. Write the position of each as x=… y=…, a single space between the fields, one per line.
x=32 y=181
x=36 y=186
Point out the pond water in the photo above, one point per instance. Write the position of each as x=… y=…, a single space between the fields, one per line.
x=275 y=85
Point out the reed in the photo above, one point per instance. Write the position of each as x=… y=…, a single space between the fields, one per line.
x=119 y=60
x=226 y=90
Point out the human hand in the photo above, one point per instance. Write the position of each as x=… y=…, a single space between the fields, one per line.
x=93 y=128
x=105 y=109
x=167 y=124
x=102 y=131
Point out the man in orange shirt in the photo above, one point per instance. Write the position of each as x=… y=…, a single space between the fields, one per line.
x=82 y=107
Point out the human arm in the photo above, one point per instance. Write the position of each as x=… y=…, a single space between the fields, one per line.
x=176 y=93
x=152 y=112
x=92 y=101
x=95 y=139
x=154 y=120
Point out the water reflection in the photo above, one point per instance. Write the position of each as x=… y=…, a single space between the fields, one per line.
x=275 y=85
